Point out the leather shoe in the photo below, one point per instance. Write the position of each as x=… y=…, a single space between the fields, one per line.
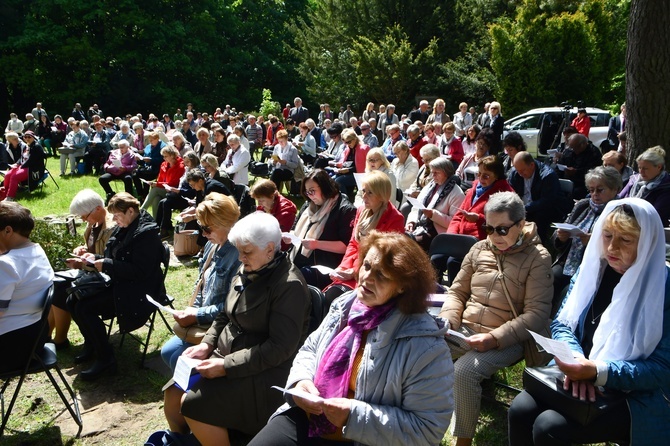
x=86 y=355
x=98 y=368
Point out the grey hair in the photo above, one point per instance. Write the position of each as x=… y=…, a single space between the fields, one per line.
x=310 y=123
x=609 y=176
x=413 y=129
x=430 y=151
x=443 y=164
x=138 y=125
x=210 y=160
x=124 y=124
x=123 y=142
x=178 y=136
x=233 y=138
x=654 y=155
x=507 y=202
x=85 y=202
x=259 y=229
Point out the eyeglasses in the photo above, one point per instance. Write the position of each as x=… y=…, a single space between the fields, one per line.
x=310 y=192
x=205 y=229
x=85 y=217
x=501 y=230
x=596 y=190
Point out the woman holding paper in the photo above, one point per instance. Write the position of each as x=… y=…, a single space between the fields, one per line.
x=169 y=174
x=438 y=203
x=503 y=289
x=378 y=362
x=603 y=184
x=324 y=225
x=120 y=165
x=377 y=213
x=216 y=214
x=616 y=320
x=251 y=343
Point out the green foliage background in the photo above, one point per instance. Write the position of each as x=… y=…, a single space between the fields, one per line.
x=154 y=57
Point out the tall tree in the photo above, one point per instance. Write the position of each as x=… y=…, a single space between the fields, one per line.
x=648 y=77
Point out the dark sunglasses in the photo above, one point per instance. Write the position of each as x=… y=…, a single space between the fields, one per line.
x=501 y=230
x=205 y=229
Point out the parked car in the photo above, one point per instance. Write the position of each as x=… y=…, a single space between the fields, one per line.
x=529 y=124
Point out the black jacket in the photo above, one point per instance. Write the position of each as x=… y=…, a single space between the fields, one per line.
x=35 y=165
x=133 y=260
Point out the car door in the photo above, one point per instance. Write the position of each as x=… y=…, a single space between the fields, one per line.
x=527 y=126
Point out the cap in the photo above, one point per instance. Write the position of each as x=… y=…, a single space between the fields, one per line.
x=29 y=133
x=581 y=110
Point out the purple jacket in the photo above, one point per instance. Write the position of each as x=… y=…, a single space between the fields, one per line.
x=128 y=161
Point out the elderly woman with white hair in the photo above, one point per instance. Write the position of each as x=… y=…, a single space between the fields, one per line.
x=124 y=133
x=250 y=345
x=180 y=143
x=237 y=161
x=652 y=183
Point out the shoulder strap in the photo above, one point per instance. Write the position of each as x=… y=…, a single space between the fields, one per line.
x=504 y=287
x=198 y=285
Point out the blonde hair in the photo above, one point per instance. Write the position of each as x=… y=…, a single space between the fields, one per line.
x=210 y=160
x=622 y=219
x=654 y=155
x=218 y=210
x=380 y=153
x=379 y=184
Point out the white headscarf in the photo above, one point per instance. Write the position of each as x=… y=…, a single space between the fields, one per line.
x=632 y=324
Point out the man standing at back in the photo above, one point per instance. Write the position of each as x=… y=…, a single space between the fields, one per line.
x=299 y=114
x=421 y=114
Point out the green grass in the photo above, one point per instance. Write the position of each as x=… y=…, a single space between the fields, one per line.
x=32 y=420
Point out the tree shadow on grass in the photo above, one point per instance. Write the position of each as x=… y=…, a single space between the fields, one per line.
x=45 y=435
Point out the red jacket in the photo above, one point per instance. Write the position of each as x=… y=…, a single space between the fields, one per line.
x=284 y=211
x=391 y=221
x=459 y=225
x=415 y=149
x=271 y=138
x=583 y=126
x=170 y=175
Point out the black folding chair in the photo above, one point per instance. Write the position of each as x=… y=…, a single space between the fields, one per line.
x=165 y=300
x=42 y=359
x=444 y=246
x=319 y=309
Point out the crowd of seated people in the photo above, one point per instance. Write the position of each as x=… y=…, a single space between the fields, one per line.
x=450 y=177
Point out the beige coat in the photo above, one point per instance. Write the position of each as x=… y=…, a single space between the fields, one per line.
x=476 y=298
x=108 y=227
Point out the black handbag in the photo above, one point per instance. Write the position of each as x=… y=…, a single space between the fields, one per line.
x=89 y=283
x=545 y=384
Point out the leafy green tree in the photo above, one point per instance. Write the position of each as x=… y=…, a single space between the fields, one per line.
x=553 y=51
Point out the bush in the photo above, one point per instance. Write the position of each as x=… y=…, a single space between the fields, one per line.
x=56 y=241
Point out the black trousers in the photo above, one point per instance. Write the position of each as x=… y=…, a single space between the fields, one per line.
x=89 y=315
x=531 y=423
x=17 y=344
x=279 y=175
x=141 y=187
x=165 y=208
x=289 y=428
x=107 y=178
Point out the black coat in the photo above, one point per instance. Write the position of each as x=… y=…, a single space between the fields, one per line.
x=133 y=260
x=35 y=165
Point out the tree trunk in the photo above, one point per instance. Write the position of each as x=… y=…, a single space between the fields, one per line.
x=648 y=77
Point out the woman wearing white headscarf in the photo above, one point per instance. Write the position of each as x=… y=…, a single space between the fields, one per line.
x=618 y=327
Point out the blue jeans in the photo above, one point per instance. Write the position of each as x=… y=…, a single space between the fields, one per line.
x=172 y=350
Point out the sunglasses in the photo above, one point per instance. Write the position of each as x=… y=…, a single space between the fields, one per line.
x=501 y=230
x=205 y=229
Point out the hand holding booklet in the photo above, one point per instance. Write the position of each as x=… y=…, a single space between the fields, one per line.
x=184 y=374
x=572 y=229
x=301 y=394
x=560 y=349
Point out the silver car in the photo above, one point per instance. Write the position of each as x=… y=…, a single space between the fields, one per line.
x=528 y=125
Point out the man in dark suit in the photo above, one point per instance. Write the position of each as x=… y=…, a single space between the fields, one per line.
x=617 y=125
x=538 y=186
x=421 y=114
x=299 y=114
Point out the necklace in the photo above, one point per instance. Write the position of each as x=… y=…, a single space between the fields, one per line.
x=595 y=318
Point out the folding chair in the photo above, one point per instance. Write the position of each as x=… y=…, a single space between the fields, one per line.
x=42 y=359
x=165 y=300
x=319 y=308
x=444 y=246
x=46 y=175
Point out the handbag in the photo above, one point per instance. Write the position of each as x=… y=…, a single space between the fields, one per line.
x=193 y=334
x=89 y=283
x=186 y=243
x=531 y=353
x=545 y=384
